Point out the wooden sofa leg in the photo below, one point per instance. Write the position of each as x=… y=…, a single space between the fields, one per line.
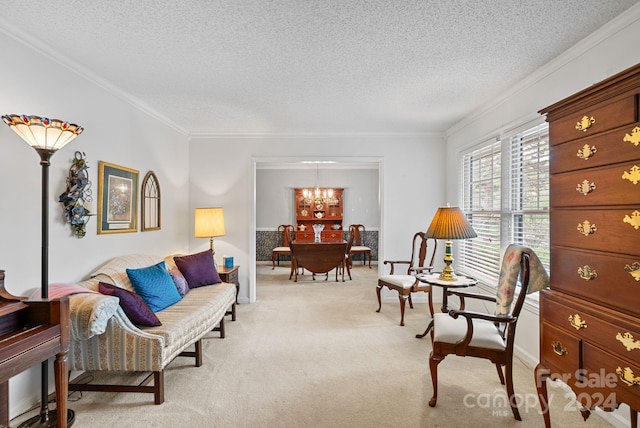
x=197 y=354
x=158 y=386
x=220 y=328
x=143 y=387
x=232 y=312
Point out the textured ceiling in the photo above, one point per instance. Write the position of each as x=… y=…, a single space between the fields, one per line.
x=304 y=66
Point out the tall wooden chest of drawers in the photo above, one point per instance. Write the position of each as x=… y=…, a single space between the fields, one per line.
x=590 y=316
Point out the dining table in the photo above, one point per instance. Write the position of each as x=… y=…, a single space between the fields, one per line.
x=318 y=258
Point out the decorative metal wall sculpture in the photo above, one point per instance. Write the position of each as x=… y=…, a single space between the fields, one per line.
x=78 y=195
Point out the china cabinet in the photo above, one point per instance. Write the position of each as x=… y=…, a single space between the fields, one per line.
x=325 y=208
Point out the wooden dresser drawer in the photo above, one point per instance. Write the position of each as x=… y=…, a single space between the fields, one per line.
x=559 y=350
x=332 y=236
x=566 y=316
x=603 y=230
x=598 y=118
x=601 y=277
x=609 y=373
x=616 y=332
x=602 y=149
x=304 y=236
x=611 y=185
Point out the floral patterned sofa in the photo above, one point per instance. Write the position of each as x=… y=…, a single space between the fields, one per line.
x=105 y=339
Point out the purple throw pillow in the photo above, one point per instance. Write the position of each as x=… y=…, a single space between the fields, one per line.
x=198 y=269
x=179 y=281
x=133 y=305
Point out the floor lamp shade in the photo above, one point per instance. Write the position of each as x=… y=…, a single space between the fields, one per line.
x=209 y=223
x=41 y=132
x=46 y=136
x=449 y=223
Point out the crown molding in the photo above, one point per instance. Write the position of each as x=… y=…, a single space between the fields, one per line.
x=614 y=26
x=46 y=51
x=303 y=135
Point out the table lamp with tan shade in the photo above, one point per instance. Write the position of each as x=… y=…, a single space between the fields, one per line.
x=449 y=223
x=209 y=223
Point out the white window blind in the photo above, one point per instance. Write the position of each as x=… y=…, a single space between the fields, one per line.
x=529 y=195
x=481 y=189
x=505 y=195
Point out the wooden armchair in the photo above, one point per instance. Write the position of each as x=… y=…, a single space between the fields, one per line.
x=359 y=246
x=473 y=334
x=422 y=255
x=285 y=234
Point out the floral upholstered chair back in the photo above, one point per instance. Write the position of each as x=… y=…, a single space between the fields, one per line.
x=510 y=276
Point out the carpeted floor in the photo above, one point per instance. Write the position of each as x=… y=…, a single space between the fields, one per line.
x=316 y=354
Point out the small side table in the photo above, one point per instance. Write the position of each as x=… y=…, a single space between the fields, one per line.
x=434 y=279
x=230 y=275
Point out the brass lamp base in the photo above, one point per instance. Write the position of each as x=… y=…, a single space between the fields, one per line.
x=447 y=273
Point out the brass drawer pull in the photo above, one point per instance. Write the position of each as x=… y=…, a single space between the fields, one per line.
x=586 y=151
x=633 y=219
x=628 y=341
x=626 y=375
x=585 y=123
x=633 y=270
x=577 y=322
x=633 y=175
x=587 y=273
x=558 y=348
x=586 y=228
x=634 y=137
x=585 y=187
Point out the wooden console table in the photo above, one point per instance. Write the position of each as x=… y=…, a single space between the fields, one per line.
x=32 y=332
x=318 y=257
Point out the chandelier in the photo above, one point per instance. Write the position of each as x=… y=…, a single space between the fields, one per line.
x=318 y=196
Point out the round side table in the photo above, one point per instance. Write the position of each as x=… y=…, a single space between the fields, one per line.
x=433 y=279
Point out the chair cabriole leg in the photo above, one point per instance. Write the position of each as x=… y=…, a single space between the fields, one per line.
x=403 y=300
x=513 y=401
x=433 y=366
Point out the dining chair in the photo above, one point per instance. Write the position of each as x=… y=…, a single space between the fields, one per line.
x=359 y=246
x=422 y=254
x=284 y=235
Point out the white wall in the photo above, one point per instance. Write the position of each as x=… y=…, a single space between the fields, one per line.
x=604 y=53
x=222 y=174
x=275 y=193
x=114 y=132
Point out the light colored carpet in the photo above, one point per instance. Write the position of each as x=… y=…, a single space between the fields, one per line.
x=316 y=354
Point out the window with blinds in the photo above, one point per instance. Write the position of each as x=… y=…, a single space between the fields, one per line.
x=529 y=193
x=505 y=195
x=481 y=199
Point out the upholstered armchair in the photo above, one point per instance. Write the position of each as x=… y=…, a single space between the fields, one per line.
x=472 y=334
x=422 y=255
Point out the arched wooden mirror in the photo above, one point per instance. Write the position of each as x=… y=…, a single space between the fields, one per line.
x=150 y=202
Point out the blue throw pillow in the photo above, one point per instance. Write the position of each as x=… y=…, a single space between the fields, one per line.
x=155 y=286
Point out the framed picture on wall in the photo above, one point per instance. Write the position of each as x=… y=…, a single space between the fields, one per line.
x=117 y=199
